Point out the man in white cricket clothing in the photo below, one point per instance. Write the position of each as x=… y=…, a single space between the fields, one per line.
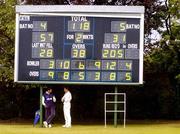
x=66 y=99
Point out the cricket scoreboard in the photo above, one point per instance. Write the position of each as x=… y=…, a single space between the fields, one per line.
x=79 y=44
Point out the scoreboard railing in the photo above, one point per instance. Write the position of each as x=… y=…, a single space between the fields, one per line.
x=121 y=103
x=79 y=44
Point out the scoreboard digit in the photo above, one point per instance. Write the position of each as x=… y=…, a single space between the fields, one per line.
x=87 y=45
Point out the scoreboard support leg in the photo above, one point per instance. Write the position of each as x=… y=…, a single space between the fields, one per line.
x=115 y=106
x=40 y=105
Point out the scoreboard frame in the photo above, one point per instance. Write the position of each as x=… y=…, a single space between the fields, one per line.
x=81 y=10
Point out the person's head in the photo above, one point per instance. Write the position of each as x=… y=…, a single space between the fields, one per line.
x=49 y=90
x=66 y=89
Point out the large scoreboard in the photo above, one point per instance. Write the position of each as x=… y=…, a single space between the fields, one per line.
x=79 y=44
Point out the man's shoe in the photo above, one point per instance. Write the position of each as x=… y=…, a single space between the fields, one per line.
x=63 y=125
x=45 y=124
x=69 y=126
x=50 y=126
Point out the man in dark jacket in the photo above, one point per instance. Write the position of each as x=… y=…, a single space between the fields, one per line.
x=48 y=101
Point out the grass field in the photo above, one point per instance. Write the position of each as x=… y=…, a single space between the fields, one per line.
x=161 y=128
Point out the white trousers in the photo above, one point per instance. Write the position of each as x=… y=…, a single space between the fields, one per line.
x=67 y=113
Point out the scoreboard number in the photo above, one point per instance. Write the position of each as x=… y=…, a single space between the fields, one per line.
x=112 y=53
x=62 y=64
x=47 y=64
x=109 y=65
x=78 y=26
x=39 y=25
x=118 y=26
x=66 y=76
x=78 y=53
x=78 y=37
x=115 y=38
x=44 y=37
x=46 y=53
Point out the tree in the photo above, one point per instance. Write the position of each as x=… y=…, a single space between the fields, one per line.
x=165 y=57
x=11 y=94
x=7 y=36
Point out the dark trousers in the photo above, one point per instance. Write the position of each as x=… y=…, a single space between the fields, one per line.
x=49 y=114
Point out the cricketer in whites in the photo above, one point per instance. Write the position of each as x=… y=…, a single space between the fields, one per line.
x=66 y=99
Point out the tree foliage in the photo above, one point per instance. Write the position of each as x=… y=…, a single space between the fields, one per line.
x=7 y=37
x=166 y=56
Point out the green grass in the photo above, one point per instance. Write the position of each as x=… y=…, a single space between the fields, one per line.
x=162 y=128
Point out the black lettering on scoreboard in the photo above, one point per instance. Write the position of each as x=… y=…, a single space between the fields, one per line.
x=88 y=46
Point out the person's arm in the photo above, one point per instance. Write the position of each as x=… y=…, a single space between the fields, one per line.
x=70 y=96
x=62 y=99
x=54 y=99
x=43 y=103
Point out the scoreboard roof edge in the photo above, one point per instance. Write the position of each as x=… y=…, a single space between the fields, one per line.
x=80 y=83
x=78 y=8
